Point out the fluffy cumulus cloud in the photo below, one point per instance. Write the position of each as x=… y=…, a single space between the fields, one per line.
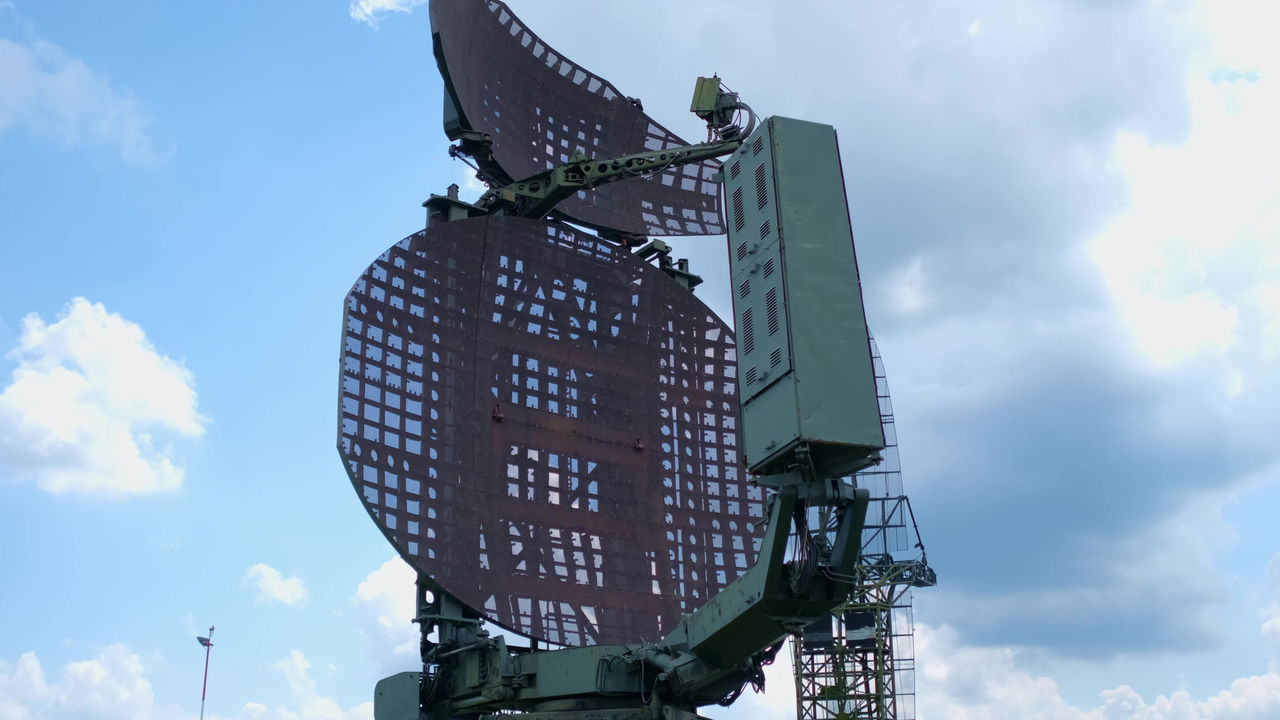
x=372 y=11
x=1191 y=265
x=962 y=682
x=385 y=609
x=113 y=686
x=777 y=702
x=959 y=682
x=52 y=94
x=80 y=412
x=274 y=587
x=1118 y=373
x=308 y=703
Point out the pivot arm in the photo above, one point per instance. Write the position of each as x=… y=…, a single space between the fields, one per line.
x=536 y=196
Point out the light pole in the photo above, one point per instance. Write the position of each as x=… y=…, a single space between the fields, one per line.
x=207 y=642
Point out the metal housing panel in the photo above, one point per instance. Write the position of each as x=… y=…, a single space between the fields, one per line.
x=548 y=427
x=539 y=108
x=773 y=423
x=757 y=270
x=806 y=369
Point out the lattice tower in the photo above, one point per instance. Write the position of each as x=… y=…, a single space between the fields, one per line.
x=861 y=663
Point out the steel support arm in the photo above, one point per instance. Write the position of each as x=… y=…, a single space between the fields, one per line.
x=537 y=196
x=722 y=641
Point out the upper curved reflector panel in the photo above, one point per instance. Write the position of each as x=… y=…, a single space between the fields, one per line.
x=539 y=108
x=548 y=427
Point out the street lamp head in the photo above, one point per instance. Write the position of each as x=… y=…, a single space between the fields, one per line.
x=208 y=645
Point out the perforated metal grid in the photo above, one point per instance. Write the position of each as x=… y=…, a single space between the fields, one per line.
x=885 y=531
x=540 y=108
x=548 y=427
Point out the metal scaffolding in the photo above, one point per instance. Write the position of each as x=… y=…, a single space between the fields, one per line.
x=860 y=663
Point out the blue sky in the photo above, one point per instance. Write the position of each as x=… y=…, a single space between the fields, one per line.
x=1068 y=227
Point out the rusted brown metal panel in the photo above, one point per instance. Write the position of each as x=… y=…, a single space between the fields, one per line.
x=540 y=107
x=608 y=499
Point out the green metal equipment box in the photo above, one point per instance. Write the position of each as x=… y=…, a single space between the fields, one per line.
x=804 y=355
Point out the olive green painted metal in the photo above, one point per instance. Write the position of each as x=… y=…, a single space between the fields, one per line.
x=804 y=360
x=537 y=196
x=396 y=697
x=705 y=93
x=772 y=599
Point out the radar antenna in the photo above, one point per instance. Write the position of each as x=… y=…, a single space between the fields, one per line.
x=563 y=441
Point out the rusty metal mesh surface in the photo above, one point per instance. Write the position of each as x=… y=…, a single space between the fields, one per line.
x=548 y=427
x=540 y=108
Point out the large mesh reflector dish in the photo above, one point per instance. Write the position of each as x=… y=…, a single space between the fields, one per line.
x=547 y=427
x=539 y=107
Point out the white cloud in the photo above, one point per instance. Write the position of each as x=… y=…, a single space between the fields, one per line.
x=55 y=95
x=109 y=686
x=372 y=11
x=1192 y=265
x=274 y=587
x=1251 y=698
x=957 y=682
x=385 y=607
x=469 y=186
x=113 y=686
x=777 y=702
x=80 y=409
x=310 y=703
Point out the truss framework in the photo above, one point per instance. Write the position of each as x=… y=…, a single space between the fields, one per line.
x=860 y=664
